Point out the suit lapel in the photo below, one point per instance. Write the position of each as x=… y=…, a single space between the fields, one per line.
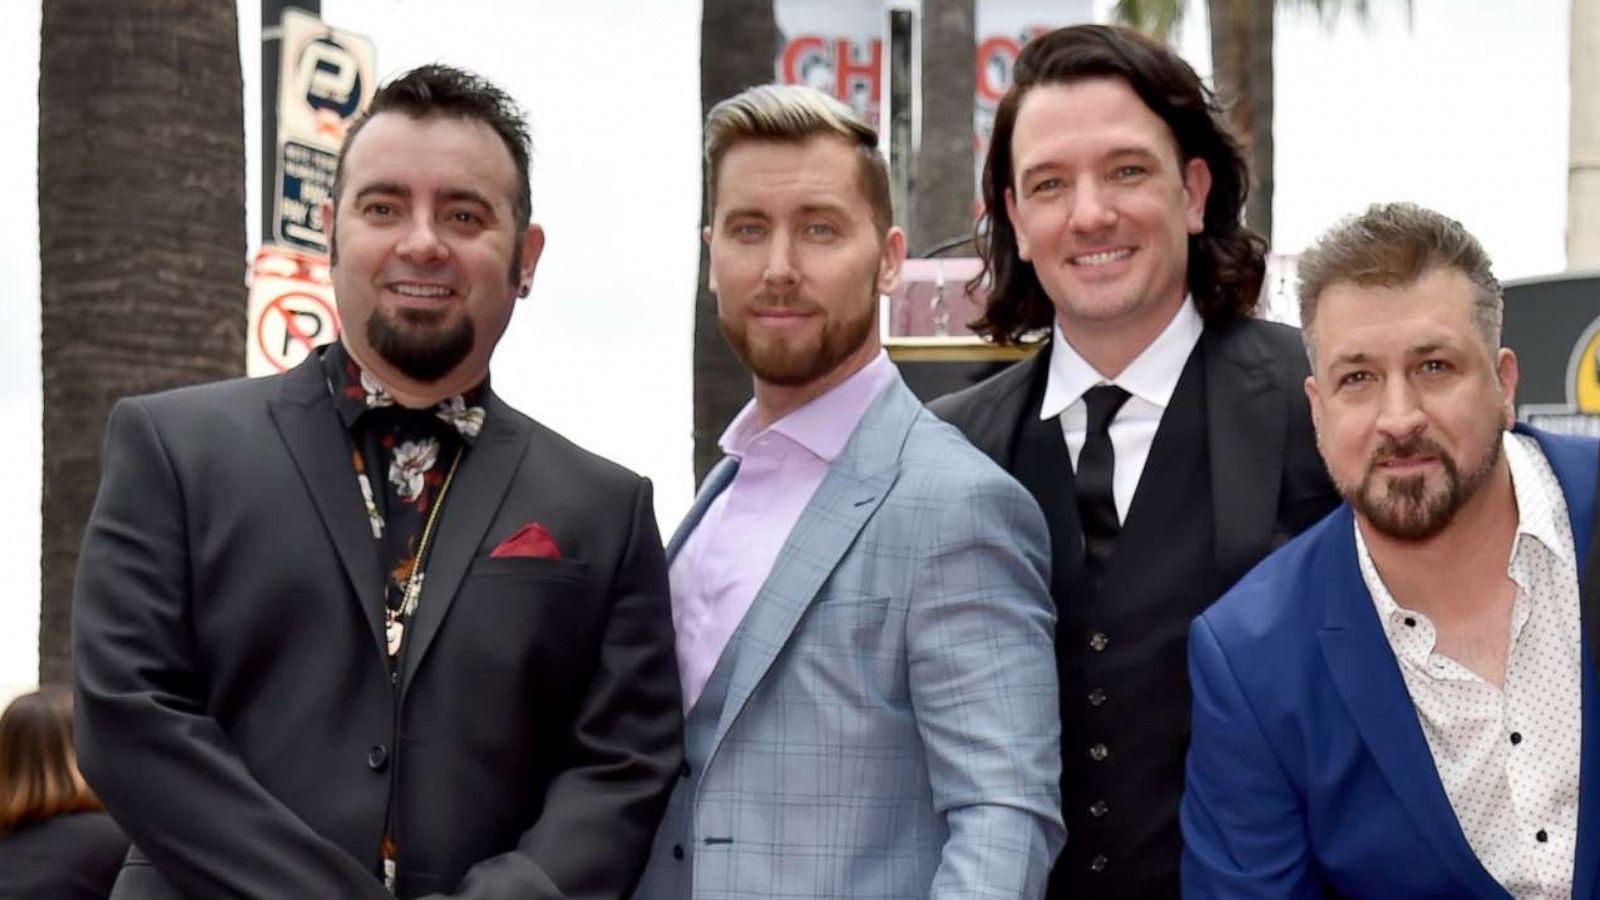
x=855 y=486
x=1246 y=412
x=1573 y=462
x=1364 y=670
x=991 y=424
x=304 y=414
x=470 y=505
x=717 y=481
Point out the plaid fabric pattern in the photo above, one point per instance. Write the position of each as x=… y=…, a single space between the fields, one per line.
x=889 y=727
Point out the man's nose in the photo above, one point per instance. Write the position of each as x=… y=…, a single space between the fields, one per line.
x=1401 y=415
x=1092 y=209
x=421 y=243
x=780 y=274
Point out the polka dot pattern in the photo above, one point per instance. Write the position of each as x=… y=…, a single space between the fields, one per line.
x=1509 y=756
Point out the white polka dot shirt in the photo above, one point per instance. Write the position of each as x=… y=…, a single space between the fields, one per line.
x=1509 y=757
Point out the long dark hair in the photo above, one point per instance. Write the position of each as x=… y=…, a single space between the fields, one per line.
x=1226 y=261
x=39 y=775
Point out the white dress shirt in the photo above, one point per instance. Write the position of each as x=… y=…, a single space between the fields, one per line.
x=1509 y=756
x=1150 y=379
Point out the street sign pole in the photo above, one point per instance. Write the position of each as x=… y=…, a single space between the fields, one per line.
x=271 y=62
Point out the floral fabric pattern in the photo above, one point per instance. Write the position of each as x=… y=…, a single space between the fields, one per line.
x=414 y=450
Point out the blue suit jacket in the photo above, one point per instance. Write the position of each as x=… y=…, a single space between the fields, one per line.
x=1308 y=773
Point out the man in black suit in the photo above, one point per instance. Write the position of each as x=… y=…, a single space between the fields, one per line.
x=1162 y=429
x=363 y=629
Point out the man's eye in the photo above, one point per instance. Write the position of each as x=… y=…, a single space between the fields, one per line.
x=1045 y=186
x=821 y=229
x=1354 y=379
x=378 y=209
x=1128 y=172
x=1435 y=367
x=465 y=217
x=747 y=230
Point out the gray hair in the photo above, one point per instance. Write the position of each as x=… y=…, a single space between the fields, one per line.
x=1395 y=245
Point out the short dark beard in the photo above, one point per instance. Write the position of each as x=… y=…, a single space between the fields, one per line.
x=1406 y=512
x=418 y=347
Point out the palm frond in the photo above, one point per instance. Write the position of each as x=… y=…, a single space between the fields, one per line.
x=1160 y=19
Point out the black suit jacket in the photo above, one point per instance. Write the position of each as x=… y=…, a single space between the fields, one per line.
x=1267 y=483
x=236 y=711
x=65 y=857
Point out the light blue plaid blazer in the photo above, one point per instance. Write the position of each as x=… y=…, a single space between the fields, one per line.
x=890 y=726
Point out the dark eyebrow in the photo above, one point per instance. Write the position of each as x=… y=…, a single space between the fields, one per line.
x=1428 y=348
x=1348 y=359
x=383 y=187
x=1113 y=155
x=470 y=196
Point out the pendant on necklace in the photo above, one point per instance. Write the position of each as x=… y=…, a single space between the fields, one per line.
x=395 y=630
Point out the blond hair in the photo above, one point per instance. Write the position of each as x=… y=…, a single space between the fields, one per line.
x=791 y=113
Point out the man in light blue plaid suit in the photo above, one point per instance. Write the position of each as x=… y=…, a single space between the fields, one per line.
x=864 y=624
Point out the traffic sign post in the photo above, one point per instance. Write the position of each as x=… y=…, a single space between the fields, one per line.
x=292 y=310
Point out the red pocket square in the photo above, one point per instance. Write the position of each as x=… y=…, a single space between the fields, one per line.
x=530 y=540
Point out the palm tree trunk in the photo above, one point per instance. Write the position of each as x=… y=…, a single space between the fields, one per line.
x=738 y=44
x=942 y=182
x=141 y=238
x=1241 y=55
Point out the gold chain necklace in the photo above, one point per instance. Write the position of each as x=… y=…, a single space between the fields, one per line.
x=394 y=629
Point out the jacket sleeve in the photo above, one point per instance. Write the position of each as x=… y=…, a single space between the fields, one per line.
x=1244 y=832
x=600 y=813
x=163 y=767
x=980 y=638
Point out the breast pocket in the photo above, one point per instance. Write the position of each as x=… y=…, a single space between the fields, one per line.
x=527 y=621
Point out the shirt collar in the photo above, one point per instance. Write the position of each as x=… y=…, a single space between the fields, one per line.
x=1152 y=376
x=1534 y=484
x=355 y=393
x=823 y=425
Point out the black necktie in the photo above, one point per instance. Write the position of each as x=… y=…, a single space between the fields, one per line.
x=1097 y=504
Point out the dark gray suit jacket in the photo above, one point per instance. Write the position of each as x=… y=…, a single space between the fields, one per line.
x=236 y=712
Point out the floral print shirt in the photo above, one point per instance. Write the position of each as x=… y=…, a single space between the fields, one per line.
x=402 y=459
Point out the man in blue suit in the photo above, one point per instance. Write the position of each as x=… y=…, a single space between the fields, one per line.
x=860 y=597
x=1399 y=703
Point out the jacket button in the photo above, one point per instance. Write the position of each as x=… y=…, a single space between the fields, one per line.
x=1098 y=641
x=683 y=770
x=1099 y=808
x=378 y=758
x=1099 y=752
x=1097 y=697
x=677 y=851
x=1099 y=863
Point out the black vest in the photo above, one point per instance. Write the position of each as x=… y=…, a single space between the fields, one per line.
x=1122 y=652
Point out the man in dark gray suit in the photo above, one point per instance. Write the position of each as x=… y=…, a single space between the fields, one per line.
x=363 y=630
x=1163 y=429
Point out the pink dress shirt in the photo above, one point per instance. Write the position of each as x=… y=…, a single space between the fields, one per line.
x=727 y=558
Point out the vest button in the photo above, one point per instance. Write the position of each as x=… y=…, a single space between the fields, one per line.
x=378 y=758
x=1097 y=697
x=683 y=770
x=1099 y=863
x=677 y=851
x=1099 y=752
x=1099 y=808
x=1098 y=641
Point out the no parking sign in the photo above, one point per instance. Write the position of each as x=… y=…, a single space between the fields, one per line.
x=291 y=310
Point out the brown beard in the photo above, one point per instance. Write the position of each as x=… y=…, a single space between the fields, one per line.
x=792 y=365
x=1404 y=509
